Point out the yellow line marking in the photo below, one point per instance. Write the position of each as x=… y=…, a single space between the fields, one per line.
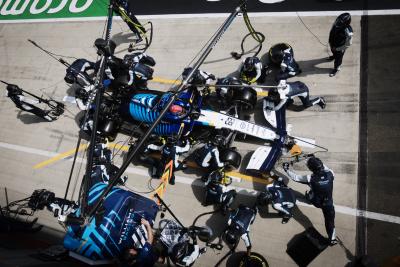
x=166 y=81
x=59 y=157
x=72 y=151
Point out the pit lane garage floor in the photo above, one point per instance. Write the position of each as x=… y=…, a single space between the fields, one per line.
x=26 y=140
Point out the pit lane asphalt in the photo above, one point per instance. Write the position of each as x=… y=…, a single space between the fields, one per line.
x=175 y=43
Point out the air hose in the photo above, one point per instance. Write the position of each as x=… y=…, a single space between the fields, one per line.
x=257 y=36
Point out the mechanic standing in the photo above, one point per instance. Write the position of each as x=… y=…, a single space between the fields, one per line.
x=340 y=38
x=320 y=195
x=208 y=156
x=171 y=151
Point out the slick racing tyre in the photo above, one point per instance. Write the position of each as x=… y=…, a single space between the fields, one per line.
x=231 y=157
x=246 y=97
x=255 y=260
x=204 y=233
x=276 y=52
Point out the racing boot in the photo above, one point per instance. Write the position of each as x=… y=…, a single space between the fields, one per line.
x=182 y=166
x=322 y=103
x=286 y=218
x=330 y=58
x=334 y=72
x=333 y=242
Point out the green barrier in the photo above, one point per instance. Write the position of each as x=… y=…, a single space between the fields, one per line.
x=51 y=9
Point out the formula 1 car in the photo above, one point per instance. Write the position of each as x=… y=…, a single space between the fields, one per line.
x=193 y=113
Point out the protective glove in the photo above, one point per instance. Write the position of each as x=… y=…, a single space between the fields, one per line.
x=285 y=166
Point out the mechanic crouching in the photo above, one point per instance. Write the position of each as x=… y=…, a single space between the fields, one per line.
x=289 y=66
x=217 y=192
x=239 y=226
x=281 y=197
x=252 y=71
x=287 y=91
x=320 y=195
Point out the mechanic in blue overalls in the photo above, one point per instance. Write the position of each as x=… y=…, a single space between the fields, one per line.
x=120 y=229
x=171 y=149
x=103 y=166
x=239 y=226
x=140 y=69
x=252 y=71
x=289 y=66
x=320 y=195
x=77 y=73
x=281 y=197
x=287 y=91
x=218 y=193
x=340 y=38
x=208 y=156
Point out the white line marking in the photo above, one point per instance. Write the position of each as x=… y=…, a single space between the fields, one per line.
x=218 y=15
x=196 y=182
x=28 y=150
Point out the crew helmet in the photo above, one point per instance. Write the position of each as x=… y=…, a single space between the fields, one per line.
x=196 y=79
x=143 y=72
x=249 y=63
x=179 y=251
x=343 y=20
x=232 y=235
x=315 y=164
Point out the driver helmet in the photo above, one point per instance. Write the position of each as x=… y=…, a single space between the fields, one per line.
x=176 y=109
x=315 y=164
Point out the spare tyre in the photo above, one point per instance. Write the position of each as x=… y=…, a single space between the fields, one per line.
x=230 y=157
x=276 y=52
x=255 y=260
x=246 y=97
